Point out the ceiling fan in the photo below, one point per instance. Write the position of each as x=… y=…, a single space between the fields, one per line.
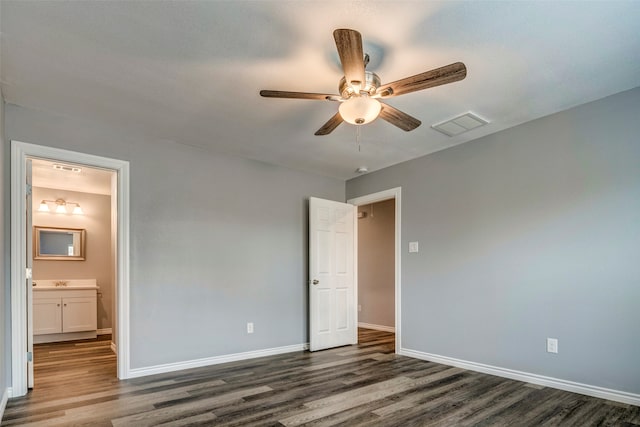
x=361 y=91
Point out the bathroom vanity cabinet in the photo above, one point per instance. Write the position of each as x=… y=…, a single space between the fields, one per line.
x=62 y=314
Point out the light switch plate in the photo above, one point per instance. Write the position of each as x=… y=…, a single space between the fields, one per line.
x=413 y=247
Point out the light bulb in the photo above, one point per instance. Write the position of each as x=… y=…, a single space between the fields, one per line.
x=44 y=207
x=360 y=110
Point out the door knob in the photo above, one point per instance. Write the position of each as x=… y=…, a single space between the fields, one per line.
x=315 y=281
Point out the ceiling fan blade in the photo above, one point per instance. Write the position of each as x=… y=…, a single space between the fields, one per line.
x=398 y=118
x=298 y=95
x=439 y=76
x=349 y=45
x=328 y=127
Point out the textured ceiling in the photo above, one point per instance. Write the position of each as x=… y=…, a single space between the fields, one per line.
x=88 y=180
x=190 y=71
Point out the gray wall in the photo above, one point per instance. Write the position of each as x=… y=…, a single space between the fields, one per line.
x=376 y=264
x=5 y=338
x=216 y=241
x=96 y=220
x=529 y=233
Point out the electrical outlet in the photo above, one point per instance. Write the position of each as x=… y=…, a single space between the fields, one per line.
x=250 y=327
x=552 y=345
x=359 y=307
x=413 y=247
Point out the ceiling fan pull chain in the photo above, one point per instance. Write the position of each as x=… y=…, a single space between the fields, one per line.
x=358 y=137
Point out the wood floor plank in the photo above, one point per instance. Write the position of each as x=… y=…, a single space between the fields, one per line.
x=434 y=386
x=361 y=385
x=206 y=419
x=184 y=409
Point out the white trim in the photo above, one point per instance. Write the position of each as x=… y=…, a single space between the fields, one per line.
x=18 y=275
x=393 y=193
x=104 y=331
x=354 y=309
x=3 y=402
x=589 y=390
x=122 y=279
x=376 y=327
x=67 y=336
x=207 y=361
x=19 y=153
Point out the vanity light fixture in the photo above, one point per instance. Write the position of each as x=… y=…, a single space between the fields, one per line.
x=44 y=207
x=61 y=206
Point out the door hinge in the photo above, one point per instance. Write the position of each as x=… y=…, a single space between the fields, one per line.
x=29 y=356
x=28 y=273
x=28 y=189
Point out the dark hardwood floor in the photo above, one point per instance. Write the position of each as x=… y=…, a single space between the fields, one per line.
x=358 y=385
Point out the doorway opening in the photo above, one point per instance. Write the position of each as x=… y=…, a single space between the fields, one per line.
x=73 y=296
x=376 y=266
x=378 y=260
x=116 y=251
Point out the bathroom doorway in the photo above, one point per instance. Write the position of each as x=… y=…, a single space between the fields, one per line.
x=73 y=268
x=117 y=255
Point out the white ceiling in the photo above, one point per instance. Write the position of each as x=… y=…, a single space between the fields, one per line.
x=87 y=180
x=190 y=71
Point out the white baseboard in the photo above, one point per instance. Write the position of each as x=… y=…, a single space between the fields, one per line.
x=3 y=402
x=104 y=331
x=589 y=390
x=67 y=336
x=207 y=361
x=376 y=327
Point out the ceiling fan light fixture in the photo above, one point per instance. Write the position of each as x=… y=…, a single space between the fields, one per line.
x=360 y=110
x=359 y=89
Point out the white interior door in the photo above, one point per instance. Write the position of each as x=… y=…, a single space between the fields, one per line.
x=29 y=264
x=332 y=292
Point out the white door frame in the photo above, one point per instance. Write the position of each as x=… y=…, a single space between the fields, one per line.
x=393 y=193
x=19 y=153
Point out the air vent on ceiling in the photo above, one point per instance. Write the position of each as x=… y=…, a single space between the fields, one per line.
x=460 y=124
x=67 y=168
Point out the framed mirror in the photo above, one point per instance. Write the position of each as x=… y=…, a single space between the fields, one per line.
x=59 y=244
